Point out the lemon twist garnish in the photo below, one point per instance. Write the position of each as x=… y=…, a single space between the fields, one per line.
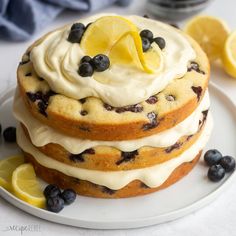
x=128 y=50
x=118 y=38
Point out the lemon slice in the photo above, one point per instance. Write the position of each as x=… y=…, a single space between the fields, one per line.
x=103 y=33
x=210 y=32
x=26 y=186
x=229 y=55
x=118 y=38
x=128 y=50
x=7 y=166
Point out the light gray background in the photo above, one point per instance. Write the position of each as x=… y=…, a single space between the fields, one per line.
x=219 y=218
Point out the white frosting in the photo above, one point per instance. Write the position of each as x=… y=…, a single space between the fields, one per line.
x=41 y=134
x=152 y=176
x=56 y=60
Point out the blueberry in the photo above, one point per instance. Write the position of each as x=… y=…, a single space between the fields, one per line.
x=85 y=69
x=146 y=16
x=55 y=204
x=228 y=163
x=78 y=26
x=84 y=113
x=146 y=34
x=101 y=62
x=32 y=96
x=212 y=157
x=43 y=107
x=69 y=196
x=86 y=59
x=75 y=35
x=160 y=42
x=145 y=44
x=216 y=173
x=9 y=134
x=51 y=191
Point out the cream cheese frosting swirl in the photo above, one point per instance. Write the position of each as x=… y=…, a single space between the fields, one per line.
x=56 y=60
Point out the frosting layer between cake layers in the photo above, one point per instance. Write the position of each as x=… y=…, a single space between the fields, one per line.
x=41 y=134
x=56 y=60
x=151 y=176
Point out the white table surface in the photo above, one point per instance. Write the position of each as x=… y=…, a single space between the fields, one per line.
x=219 y=218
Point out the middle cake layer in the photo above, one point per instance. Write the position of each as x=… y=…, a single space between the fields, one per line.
x=113 y=155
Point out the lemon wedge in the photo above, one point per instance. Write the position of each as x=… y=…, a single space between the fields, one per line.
x=119 y=38
x=229 y=55
x=7 y=166
x=210 y=32
x=26 y=186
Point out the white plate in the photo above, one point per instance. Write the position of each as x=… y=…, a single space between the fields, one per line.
x=184 y=197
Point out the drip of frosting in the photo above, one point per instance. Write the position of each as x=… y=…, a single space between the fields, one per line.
x=56 y=60
x=151 y=176
x=41 y=134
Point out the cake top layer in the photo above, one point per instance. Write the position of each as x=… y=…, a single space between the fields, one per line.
x=90 y=118
x=57 y=60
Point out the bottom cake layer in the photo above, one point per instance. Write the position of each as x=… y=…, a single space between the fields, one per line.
x=86 y=188
x=114 y=184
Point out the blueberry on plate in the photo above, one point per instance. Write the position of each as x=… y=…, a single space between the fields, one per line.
x=51 y=191
x=146 y=34
x=216 y=173
x=101 y=62
x=9 y=134
x=85 y=69
x=228 y=163
x=160 y=42
x=55 y=204
x=212 y=157
x=145 y=44
x=68 y=195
